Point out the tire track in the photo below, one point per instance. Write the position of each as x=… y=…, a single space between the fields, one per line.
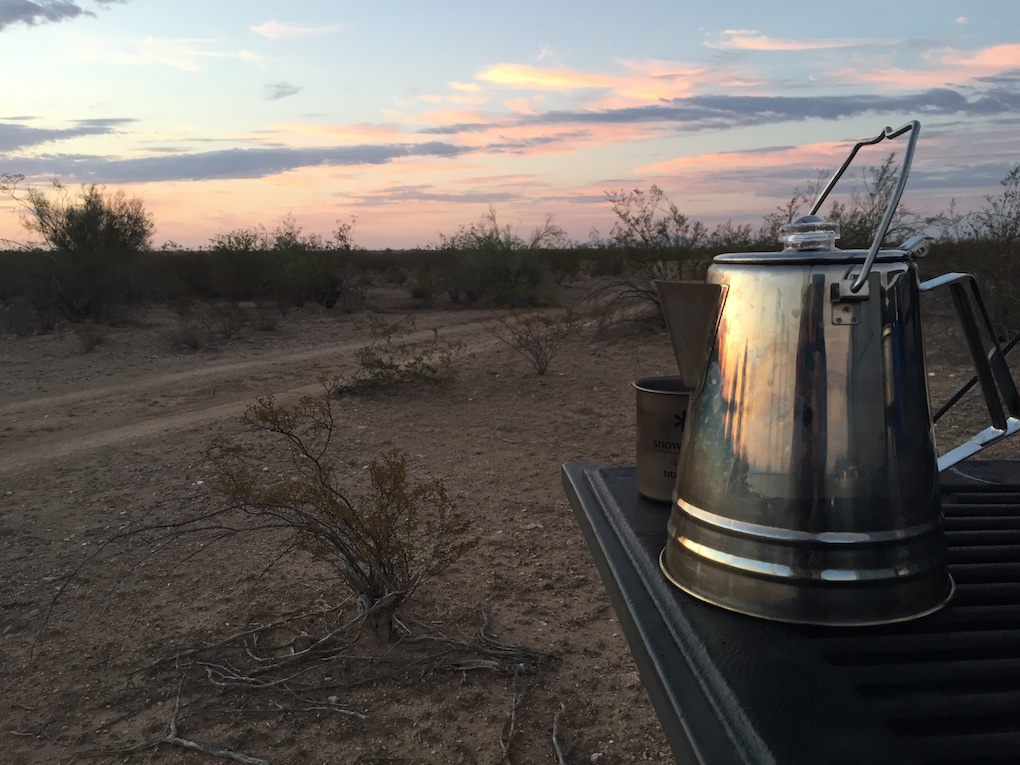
x=156 y=381
x=27 y=451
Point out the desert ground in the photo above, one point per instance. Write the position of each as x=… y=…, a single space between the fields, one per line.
x=96 y=443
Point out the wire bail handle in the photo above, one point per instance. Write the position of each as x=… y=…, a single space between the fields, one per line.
x=915 y=127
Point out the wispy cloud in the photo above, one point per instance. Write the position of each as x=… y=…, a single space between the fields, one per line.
x=274 y=91
x=185 y=54
x=942 y=67
x=44 y=11
x=568 y=130
x=715 y=112
x=750 y=39
x=17 y=136
x=275 y=30
x=429 y=193
x=652 y=83
x=635 y=82
x=807 y=156
x=676 y=96
x=525 y=77
x=719 y=112
x=224 y=164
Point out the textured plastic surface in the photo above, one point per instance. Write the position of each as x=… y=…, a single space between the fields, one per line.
x=733 y=689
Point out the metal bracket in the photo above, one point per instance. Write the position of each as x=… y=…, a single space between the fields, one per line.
x=996 y=380
x=845 y=301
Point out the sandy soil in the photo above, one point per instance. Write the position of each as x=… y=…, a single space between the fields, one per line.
x=93 y=444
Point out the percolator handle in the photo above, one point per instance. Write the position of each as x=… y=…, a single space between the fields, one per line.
x=993 y=374
x=883 y=227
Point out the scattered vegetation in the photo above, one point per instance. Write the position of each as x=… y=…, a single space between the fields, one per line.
x=89 y=334
x=493 y=262
x=284 y=266
x=393 y=356
x=200 y=324
x=91 y=271
x=382 y=545
x=381 y=535
x=536 y=337
x=94 y=260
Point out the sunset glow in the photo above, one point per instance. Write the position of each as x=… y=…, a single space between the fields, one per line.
x=417 y=118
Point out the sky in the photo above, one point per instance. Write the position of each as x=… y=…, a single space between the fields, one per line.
x=419 y=116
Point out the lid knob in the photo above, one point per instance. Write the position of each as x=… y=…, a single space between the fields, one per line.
x=809 y=232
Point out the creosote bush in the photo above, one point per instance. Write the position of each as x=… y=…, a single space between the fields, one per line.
x=391 y=358
x=537 y=337
x=202 y=323
x=89 y=334
x=382 y=542
x=492 y=262
x=92 y=270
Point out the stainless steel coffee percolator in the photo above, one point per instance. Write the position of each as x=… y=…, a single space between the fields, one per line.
x=807 y=483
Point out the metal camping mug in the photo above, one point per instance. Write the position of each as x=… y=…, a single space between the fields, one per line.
x=661 y=411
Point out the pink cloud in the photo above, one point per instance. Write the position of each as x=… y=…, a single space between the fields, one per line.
x=807 y=156
x=945 y=67
x=524 y=77
x=639 y=82
x=750 y=39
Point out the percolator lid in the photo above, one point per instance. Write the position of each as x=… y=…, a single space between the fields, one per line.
x=808 y=240
x=809 y=232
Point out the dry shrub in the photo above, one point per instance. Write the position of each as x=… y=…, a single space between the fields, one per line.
x=89 y=334
x=226 y=319
x=537 y=337
x=199 y=324
x=267 y=317
x=189 y=334
x=382 y=543
x=392 y=358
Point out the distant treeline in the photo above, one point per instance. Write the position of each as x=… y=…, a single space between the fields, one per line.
x=95 y=262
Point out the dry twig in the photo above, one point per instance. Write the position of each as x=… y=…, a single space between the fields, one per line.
x=561 y=756
x=174 y=738
x=485 y=652
x=510 y=729
x=227 y=754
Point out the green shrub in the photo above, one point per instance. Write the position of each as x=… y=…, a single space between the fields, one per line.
x=284 y=265
x=91 y=272
x=492 y=262
x=391 y=358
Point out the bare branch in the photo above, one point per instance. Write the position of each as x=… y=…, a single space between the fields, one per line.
x=227 y=754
